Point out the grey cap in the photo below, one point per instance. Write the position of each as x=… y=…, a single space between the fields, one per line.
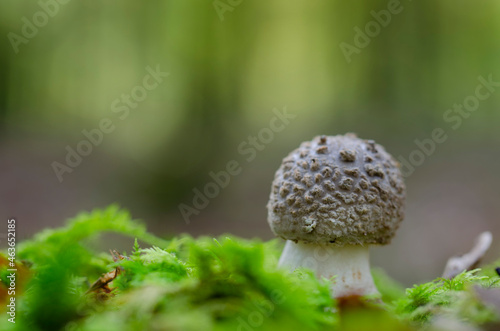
x=337 y=189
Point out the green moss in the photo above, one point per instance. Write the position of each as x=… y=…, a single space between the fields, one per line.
x=210 y=284
x=454 y=298
x=490 y=270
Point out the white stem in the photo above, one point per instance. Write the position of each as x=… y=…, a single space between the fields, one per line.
x=350 y=264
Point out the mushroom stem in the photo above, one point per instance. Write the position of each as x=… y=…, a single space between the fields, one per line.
x=350 y=264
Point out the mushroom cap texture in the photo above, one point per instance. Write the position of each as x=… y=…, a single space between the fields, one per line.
x=341 y=190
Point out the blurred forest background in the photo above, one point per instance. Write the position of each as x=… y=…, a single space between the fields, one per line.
x=229 y=66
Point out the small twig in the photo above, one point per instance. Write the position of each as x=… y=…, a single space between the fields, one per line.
x=469 y=261
x=102 y=284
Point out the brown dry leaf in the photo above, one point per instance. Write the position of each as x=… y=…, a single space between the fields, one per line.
x=101 y=287
x=23 y=274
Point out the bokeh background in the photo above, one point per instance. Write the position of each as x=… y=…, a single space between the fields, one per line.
x=230 y=64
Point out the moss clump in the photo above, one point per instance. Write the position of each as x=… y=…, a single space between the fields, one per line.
x=454 y=298
x=207 y=284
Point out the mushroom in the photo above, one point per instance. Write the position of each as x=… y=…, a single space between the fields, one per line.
x=331 y=199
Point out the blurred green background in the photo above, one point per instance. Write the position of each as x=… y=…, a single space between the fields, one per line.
x=230 y=63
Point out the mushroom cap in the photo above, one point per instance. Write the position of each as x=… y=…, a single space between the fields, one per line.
x=341 y=190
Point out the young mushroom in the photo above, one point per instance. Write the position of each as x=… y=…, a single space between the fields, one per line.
x=331 y=199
